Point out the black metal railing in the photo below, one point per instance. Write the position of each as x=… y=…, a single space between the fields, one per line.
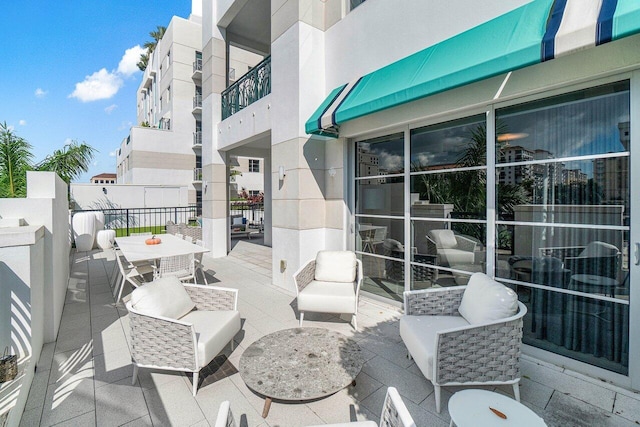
x=252 y=212
x=140 y=220
x=247 y=89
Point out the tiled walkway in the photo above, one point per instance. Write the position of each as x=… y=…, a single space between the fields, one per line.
x=84 y=378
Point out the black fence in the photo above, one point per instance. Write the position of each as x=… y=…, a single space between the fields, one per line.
x=143 y=220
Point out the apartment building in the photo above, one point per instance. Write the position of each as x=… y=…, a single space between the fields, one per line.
x=430 y=93
x=165 y=145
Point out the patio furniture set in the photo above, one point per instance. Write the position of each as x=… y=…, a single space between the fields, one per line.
x=465 y=335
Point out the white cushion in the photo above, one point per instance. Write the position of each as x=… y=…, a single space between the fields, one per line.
x=486 y=300
x=214 y=330
x=327 y=297
x=456 y=256
x=237 y=220
x=445 y=239
x=336 y=266
x=163 y=297
x=419 y=336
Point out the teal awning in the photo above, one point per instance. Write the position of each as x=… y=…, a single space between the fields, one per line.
x=533 y=33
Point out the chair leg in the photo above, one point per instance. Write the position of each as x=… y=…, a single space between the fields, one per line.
x=195 y=383
x=232 y=344
x=204 y=277
x=135 y=374
x=409 y=355
x=354 y=320
x=118 y=289
x=301 y=317
x=121 y=288
x=516 y=391
x=436 y=392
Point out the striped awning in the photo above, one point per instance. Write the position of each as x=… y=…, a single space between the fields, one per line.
x=536 y=32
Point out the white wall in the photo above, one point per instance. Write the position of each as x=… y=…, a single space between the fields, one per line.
x=378 y=33
x=34 y=274
x=88 y=196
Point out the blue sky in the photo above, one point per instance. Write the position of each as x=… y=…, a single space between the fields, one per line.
x=64 y=74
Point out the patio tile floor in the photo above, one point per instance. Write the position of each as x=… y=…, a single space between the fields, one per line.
x=85 y=377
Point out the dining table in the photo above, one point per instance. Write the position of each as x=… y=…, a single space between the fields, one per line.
x=136 y=250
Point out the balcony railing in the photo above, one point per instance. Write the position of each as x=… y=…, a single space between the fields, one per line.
x=197 y=101
x=197 y=175
x=197 y=138
x=248 y=89
x=139 y=220
x=197 y=65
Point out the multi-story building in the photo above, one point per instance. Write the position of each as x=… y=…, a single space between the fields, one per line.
x=165 y=145
x=104 y=178
x=336 y=77
x=249 y=176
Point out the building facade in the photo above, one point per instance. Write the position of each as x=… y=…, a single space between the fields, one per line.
x=511 y=123
x=165 y=145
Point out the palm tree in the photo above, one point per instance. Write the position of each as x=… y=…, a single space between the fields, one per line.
x=16 y=159
x=156 y=35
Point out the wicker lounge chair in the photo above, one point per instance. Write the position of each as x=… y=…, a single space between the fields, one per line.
x=167 y=333
x=465 y=335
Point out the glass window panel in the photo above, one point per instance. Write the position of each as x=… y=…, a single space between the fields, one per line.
x=375 y=235
x=380 y=196
x=455 y=144
x=425 y=277
x=380 y=280
x=456 y=245
x=461 y=195
x=584 y=260
x=594 y=191
x=380 y=156
x=587 y=122
x=592 y=331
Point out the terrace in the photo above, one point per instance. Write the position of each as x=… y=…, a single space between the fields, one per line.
x=84 y=378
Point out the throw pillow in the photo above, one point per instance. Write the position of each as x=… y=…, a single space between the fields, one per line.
x=336 y=266
x=486 y=300
x=163 y=297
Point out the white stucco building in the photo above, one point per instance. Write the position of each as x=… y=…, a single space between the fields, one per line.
x=165 y=145
x=434 y=93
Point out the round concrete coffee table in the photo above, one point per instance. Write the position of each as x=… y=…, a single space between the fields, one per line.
x=300 y=364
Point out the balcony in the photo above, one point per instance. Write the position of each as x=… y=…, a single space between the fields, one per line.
x=197 y=139
x=197 y=104
x=197 y=69
x=248 y=89
x=197 y=175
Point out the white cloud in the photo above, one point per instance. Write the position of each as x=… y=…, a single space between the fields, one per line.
x=125 y=125
x=95 y=163
x=131 y=57
x=112 y=153
x=100 y=85
x=22 y=122
x=110 y=108
x=40 y=93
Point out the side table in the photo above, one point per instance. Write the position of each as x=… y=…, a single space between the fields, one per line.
x=474 y=408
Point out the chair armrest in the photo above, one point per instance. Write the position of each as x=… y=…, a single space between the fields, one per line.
x=480 y=353
x=304 y=275
x=212 y=298
x=433 y=302
x=162 y=342
x=466 y=244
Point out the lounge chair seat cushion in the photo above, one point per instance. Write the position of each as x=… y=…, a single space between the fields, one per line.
x=164 y=297
x=419 y=336
x=214 y=329
x=328 y=297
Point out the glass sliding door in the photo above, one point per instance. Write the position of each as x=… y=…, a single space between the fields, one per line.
x=448 y=202
x=562 y=203
x=379 y=194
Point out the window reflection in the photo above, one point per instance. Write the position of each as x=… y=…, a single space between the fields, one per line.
x=460 y=195
x=455 y=144
x=385 y=196
x=594 y=121
x=380 y=156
